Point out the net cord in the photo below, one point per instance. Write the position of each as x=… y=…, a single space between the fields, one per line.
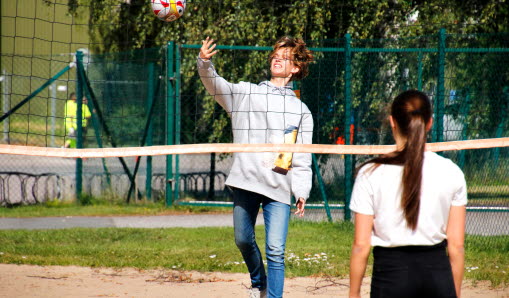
x=246 y=148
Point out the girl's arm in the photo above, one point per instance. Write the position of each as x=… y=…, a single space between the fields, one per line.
x=360 y=252
x=455 y=244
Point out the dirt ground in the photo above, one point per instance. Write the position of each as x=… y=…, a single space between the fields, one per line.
x=73 y=281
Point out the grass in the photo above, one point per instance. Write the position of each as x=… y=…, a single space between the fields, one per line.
x=103 y=208
x=313 y=249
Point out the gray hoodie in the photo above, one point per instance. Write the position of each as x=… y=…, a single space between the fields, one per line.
x=260 y=114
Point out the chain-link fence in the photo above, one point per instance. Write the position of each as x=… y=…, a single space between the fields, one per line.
x=155 y=97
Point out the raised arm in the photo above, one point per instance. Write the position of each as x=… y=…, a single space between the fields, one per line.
x=222 y=91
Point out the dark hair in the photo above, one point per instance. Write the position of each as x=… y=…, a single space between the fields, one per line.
x=72 y=94
x=411 y=110
x=301 y=55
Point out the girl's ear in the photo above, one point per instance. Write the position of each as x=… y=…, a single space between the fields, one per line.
x=429 y=124
x=391 y=120
x=295 y=70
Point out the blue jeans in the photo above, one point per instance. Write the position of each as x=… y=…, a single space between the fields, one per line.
x=276 y=216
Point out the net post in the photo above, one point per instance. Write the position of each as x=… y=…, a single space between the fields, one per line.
x=150 y=100
x=79 y=118
x=348 y=116
x=170 y=111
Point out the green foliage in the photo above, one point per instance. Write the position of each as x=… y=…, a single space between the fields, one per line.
x=118 y=25
x=125 y=25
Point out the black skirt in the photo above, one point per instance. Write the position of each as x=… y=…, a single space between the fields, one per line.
x=412 y=271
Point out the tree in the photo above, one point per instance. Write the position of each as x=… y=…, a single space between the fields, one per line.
x=125 y=25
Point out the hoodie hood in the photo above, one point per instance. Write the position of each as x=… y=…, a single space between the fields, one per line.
x=286 y=90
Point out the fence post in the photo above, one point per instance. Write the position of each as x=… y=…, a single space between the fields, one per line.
x=150 y=99
x=439 y=102
x=79 y=119
x=170 y=112
x=501 y=123
x=177 y=121
x=348 y=117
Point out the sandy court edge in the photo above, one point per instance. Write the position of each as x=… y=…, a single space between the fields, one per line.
x=74 y=281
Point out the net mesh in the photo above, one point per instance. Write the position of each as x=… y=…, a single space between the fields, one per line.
x=154 y=96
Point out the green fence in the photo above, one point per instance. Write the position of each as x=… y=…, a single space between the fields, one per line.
x=155 y=97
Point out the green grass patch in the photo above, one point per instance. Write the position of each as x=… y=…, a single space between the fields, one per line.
x=315 y=248
x=103 y=208
x=487 y=258
x=312 y=249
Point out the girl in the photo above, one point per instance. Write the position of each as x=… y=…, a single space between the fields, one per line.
x=410 y=205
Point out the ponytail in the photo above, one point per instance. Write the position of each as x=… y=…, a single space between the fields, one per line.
x=411 y=110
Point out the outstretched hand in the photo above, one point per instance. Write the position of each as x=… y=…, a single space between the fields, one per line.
x=300 y=207
x=207 y=49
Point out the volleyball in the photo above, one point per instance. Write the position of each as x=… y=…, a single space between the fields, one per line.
x=168 y=10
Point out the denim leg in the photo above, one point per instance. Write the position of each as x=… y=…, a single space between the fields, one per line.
x=246 y=205
x=276 y=216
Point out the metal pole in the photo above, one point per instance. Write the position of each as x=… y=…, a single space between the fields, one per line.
x=440 y=107
x=79 y=119
x=348 y=118
x=177 y=121
x=33 y=94
x=150 y=99
x=170 y=111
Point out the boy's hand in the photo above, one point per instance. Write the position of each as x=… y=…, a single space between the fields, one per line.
x=207 y=49
x=300 y=207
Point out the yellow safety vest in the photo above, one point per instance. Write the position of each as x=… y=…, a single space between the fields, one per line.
x=71 y=109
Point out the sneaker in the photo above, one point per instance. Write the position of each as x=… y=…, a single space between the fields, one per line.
x=256 y=293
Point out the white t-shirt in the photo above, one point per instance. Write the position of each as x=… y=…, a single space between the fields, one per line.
x=378 y=193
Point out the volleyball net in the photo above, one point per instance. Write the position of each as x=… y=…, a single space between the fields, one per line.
x=154 y=133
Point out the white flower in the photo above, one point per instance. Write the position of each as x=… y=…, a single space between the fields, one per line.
x=212 y=256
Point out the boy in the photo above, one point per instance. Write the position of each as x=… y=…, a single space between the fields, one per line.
x=265 y=113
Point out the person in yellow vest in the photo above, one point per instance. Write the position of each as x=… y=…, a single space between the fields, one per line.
x=70 y=120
